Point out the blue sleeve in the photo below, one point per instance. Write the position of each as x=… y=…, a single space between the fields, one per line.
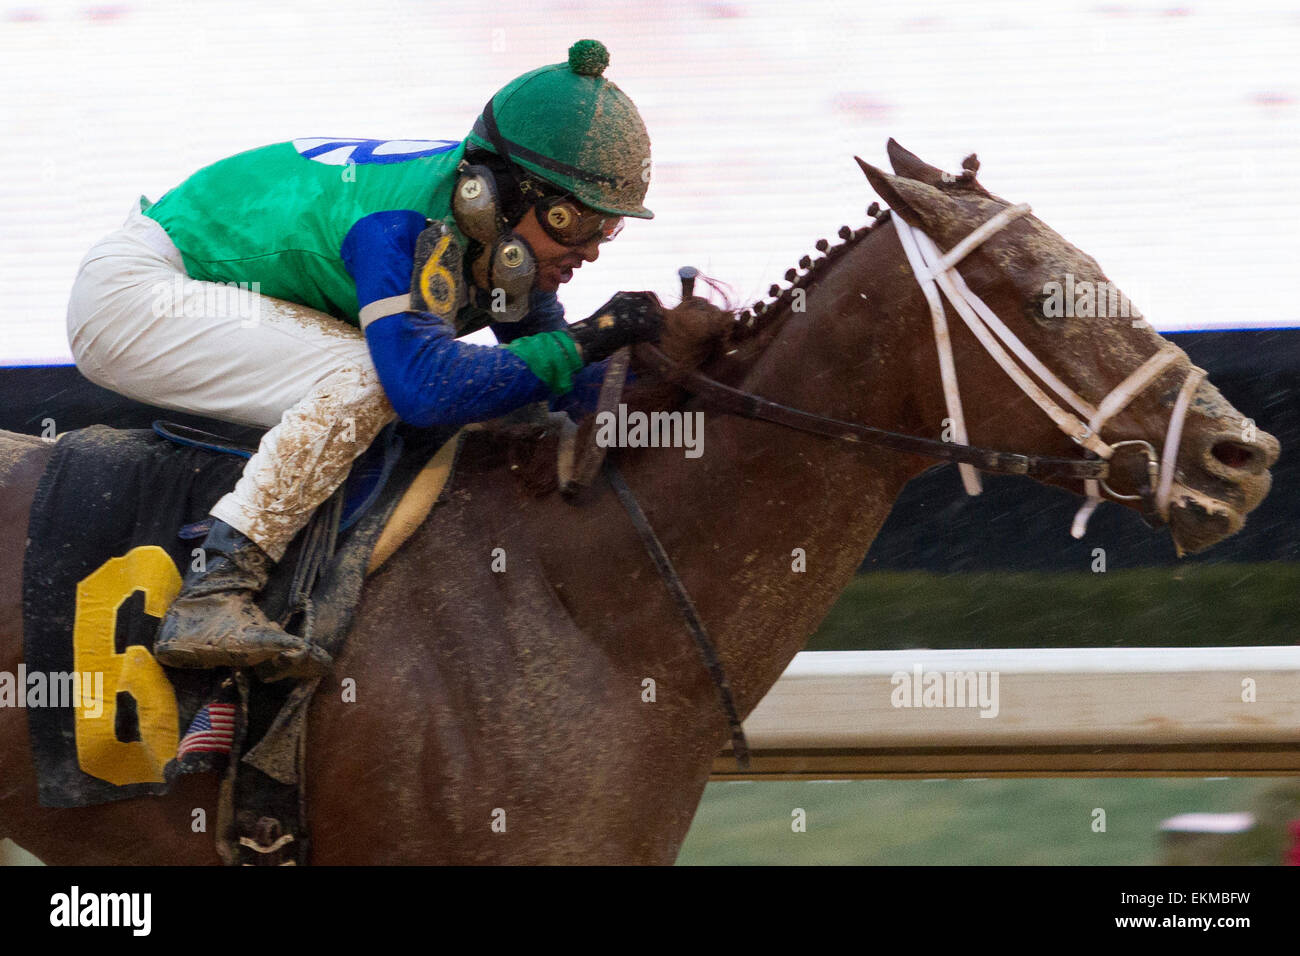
x=432 y=379
x=379 y=253
x=546 y=314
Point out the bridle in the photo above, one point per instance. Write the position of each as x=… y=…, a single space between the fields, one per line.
x=937 y=274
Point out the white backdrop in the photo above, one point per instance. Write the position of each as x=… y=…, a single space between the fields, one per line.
x=1162 y=139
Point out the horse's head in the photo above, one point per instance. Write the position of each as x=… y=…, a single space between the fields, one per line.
x=1117 y=371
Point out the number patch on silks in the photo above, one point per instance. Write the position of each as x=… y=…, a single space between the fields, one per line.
x=435 y=282
x=340 y=151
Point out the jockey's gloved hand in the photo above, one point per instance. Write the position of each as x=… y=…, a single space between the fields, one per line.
x=626 y=318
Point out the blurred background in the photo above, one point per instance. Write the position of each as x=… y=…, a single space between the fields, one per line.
x=1160 y=137
x=1163 y=138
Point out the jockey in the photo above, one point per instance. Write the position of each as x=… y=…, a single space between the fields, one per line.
x=317 y=288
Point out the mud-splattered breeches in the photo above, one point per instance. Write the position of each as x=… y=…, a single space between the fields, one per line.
x=138 y=325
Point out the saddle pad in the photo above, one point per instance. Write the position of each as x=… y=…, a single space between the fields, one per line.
x=103 y=562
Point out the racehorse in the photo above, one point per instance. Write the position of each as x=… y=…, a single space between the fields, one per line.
x=475 y=737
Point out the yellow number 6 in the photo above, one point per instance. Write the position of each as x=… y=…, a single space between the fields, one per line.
x=99 y=752
x=440 y=296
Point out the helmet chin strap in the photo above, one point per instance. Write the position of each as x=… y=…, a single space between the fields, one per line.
x=937 y=274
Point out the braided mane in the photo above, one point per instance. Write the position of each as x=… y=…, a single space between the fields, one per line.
x=754 y=319
x=723 y=342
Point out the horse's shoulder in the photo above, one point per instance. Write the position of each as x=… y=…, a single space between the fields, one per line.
x=22 y=457
x=526 y=452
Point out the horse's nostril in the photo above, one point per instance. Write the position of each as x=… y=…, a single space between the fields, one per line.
x=1232 y=454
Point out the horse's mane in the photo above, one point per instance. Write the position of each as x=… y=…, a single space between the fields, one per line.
x=761 y=315
x=724 y=341
x=730 y=348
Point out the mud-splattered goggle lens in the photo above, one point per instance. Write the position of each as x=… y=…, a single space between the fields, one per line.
x=570 y=223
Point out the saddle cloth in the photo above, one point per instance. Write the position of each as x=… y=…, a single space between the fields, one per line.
x=105 y=557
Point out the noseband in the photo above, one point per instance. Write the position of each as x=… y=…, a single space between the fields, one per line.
x=937 y=273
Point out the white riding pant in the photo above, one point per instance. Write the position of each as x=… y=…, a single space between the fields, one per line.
x=138 y=325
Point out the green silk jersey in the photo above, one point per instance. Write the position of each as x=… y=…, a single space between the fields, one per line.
x=278 y=215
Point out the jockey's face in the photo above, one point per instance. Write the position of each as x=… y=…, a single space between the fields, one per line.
x=555 y=263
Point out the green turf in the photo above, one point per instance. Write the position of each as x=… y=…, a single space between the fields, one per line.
x=989 y=822
x=1192 y=606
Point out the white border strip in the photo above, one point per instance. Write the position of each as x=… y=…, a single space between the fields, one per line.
x=1059 y=711
x=1044 y=660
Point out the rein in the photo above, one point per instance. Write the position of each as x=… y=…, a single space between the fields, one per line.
x=733 y=401
x=576 y=474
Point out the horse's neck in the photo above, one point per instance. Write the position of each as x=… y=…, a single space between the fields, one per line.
x=764 y=500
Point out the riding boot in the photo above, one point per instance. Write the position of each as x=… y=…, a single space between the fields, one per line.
x=214 y=622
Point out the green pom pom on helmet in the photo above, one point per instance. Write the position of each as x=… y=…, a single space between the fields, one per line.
x=588 y=58
x=568 y=125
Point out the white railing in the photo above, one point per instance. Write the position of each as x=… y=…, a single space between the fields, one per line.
x=1052 y=712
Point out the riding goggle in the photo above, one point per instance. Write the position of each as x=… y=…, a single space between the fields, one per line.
x=570 y=223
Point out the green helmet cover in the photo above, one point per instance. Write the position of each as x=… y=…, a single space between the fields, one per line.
x=567 y=124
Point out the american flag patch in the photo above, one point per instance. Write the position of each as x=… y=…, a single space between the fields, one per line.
x=212 y=731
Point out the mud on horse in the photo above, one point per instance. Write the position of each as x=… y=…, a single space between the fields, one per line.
x=522 y=692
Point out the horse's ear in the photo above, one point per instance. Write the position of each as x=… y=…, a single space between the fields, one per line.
x=908 y=164
x=921 y=206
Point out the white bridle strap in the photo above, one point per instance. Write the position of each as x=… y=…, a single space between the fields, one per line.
x=963 y=301
x=1112 y=405
x=1018 y=348
x=947 y=367
x=1169 y=456
x=1173 y=436
x=960 y=251
x=1131 y=387
x=936 y=273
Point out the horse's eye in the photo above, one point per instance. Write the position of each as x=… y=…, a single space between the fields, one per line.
x=1044 y=309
